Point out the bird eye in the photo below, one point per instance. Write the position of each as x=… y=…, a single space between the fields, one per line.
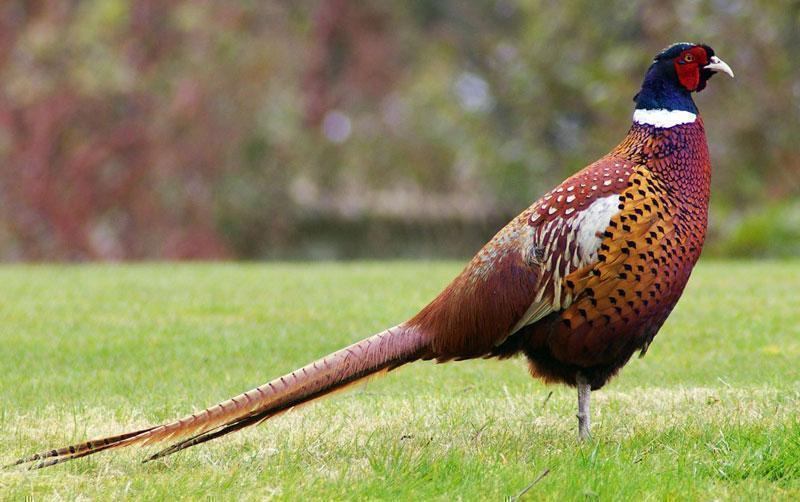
x=688 y=58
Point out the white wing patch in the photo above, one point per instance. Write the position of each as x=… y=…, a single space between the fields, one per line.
x=588 y=223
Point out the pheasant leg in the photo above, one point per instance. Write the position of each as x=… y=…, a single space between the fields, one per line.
x=584 y=417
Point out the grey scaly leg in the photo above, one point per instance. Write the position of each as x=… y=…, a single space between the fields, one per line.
x=584 y=417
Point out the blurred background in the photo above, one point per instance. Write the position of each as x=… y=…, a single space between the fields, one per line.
x=333 y=129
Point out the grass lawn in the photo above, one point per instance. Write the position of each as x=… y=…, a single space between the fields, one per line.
x=710 y=413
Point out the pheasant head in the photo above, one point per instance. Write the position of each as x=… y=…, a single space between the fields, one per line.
x=665 y=98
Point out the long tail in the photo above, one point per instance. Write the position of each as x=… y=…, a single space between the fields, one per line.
x=379 y=353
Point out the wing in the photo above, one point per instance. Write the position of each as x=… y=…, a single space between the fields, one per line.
x=519 y=276
x=568 y=225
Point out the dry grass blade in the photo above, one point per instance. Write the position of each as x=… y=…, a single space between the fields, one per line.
x=527 y=488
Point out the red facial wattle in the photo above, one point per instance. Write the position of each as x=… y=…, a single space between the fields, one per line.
x=688 y=65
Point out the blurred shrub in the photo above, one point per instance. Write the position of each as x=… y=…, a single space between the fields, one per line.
x=767 y=233
x=201 y=129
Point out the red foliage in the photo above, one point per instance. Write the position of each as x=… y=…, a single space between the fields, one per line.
x=84 y=174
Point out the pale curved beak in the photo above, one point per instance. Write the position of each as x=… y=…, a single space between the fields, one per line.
x=717 y=64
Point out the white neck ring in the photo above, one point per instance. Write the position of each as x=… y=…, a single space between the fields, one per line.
x=663 y=118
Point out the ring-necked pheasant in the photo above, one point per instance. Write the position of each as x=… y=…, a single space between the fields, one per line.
x=578 y=282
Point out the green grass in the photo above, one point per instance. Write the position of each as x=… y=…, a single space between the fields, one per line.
x=710 y=413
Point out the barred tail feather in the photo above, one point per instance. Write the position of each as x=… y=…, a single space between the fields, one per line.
x=77 y=450
x=265 y=414
x=379 y=353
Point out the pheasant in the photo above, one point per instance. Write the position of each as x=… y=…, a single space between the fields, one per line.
x=578 y=282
